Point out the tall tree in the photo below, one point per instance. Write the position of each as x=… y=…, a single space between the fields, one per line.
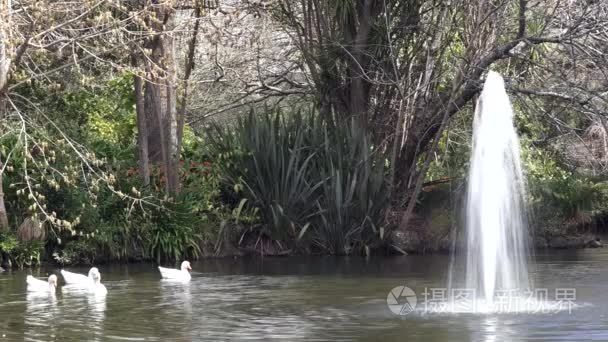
x=160 y=92
x=405 y=67
x=165 y=123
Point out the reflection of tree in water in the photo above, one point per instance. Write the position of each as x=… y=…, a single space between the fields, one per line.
x=97 y=312
x=176 y=307
x=81 y=316
x=40 y=314
x=13 y=306
x=245 y=307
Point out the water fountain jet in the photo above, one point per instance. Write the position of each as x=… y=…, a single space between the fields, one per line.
x=496 y=268
x=495 y=216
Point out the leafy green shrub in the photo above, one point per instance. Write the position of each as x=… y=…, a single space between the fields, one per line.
x=171 y=232
x=267 y=160
x=575 y=199
x=87 y=197
x=310 y=182
x=8 y=242
x=558 y=194
x=21 y=254
x=76 y=252
x=173 y=241
x=353 y=194
x=27 y=254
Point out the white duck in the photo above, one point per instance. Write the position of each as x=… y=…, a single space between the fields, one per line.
x=182 y=274
x=91 y=283
x=37 y=285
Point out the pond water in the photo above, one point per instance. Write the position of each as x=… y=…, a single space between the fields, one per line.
x=290 y=299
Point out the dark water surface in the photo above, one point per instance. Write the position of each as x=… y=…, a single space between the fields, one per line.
x=291 y=299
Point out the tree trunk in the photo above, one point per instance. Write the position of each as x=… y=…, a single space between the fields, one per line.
x=188 y=67
x=5 y=63
x=160 y=100
x=3 y=214
x=152 y=123
x=172 y=139
x=142 y=131
x=5 y=55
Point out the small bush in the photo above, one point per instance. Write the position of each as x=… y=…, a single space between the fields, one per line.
x=76 y=252
x=21 y=254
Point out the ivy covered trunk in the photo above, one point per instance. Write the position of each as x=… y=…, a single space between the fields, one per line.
x=3 y=215
x=5 y=63
x=142 y=132
x=160 y=100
